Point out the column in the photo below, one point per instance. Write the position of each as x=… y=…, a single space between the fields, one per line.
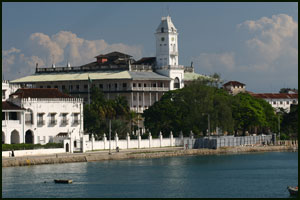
x=150 y=139
x=171 y=139
x=104 y=141
x=128 y=140
x=160 y=138
x=138 y=100
x=143 y=100
x=150 y=98
x=156 y=96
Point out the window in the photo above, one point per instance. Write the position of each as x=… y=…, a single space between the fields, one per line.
x=52 y=119
x=41 y=86
x=48 y=86
x=108 y=86
x=28 y=118
x=162 y=29
x=274 y=102
x=40 y=119
x=280 y=102
x=145 y=85
x=76 y=119
x=56 y=86
x=176 y=83
x=13 y=116
x=71 y=87
x=140 y=98
x=154 y=85
x=85 y=86
x=116 y=85
x=77 y=87
x=160 y=84
x=134 y=98
x=294 y=102
x=101 y=86
x=140 y=85
x=3 y=116
x=64 y=119
x=134 y=85
x=124 y=85
x=63 y=87
x=287 y=102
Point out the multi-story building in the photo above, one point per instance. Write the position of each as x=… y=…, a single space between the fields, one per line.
x=34 y=115
x=8 y=88
x=279 y=100
x=142 y=82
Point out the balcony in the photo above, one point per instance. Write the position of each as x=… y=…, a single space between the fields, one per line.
x=28 y=122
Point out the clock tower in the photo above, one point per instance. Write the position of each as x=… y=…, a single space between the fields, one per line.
x=167 y=53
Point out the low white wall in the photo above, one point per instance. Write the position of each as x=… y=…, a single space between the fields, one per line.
x=33 y=152
x=133 y=143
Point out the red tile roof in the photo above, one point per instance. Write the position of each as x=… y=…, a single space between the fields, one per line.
x=276 y=96
x=234 y=83
x=40 y=93
x=10 y=106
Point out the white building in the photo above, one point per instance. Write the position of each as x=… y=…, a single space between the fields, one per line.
x=8 y=88
x=234 y=87
x=279 y=100
x=34 y=115
x=142 y=82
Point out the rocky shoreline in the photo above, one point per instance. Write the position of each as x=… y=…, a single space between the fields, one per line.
x=141 y=154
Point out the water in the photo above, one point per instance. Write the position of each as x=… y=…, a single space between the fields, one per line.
x=240 y=175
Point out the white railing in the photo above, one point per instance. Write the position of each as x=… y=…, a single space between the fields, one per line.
x=150 y=89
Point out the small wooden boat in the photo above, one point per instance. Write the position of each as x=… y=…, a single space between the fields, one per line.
x=293 y=190
x=66 y=181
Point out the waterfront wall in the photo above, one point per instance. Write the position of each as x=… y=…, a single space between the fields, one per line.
x=33 y=152
x=141 y=154
x=227 y=141
x=129 y=143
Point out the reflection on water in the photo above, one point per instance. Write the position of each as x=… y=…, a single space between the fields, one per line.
x=240 y=175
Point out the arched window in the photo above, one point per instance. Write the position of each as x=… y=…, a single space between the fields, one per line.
x=15 y=137
x=162 y=29
x=176 y=83
x=29 y=137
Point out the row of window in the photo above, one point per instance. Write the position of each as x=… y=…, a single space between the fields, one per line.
x=53 y=121
x=108 y=86
x=287 y=102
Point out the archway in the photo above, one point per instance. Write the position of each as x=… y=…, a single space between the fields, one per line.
x=29 y=137
x=67 y=147
x=176 y=83
x=3 y=137
x=15 y=137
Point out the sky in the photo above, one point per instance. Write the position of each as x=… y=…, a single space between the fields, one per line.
x=253 y=43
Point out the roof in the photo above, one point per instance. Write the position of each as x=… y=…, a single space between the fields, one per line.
x=234 y=83
x=167 y=24
x=145 y=60
x=189 y=76
x=97 y=75
x=275 y=96
x=6 y=105
x=40 y=93
x=113 y=54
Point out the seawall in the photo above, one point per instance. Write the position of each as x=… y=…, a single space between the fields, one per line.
x=143 y=153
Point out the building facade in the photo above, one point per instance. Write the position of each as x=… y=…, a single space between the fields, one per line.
x=40 y=116
x=279 y=100
x=234 y=87
x=142 y=82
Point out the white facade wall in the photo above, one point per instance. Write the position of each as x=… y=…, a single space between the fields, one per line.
x=13 y=127
x=45 y=132
x=8 y=89
x=282 y=103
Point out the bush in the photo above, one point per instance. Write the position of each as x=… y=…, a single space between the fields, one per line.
x=22 y=146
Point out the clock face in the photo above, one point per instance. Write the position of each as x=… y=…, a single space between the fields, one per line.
x=162 y=39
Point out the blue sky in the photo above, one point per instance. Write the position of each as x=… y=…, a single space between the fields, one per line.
x=254 y=43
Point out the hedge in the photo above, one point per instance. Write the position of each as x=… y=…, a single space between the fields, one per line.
x=22 y=146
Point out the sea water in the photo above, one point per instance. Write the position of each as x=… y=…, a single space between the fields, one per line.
x=252 y=175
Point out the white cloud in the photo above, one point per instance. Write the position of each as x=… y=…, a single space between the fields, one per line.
x=273 y=39
x=59 y=48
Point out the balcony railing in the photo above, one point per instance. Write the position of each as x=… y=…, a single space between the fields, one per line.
x=161 y=89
